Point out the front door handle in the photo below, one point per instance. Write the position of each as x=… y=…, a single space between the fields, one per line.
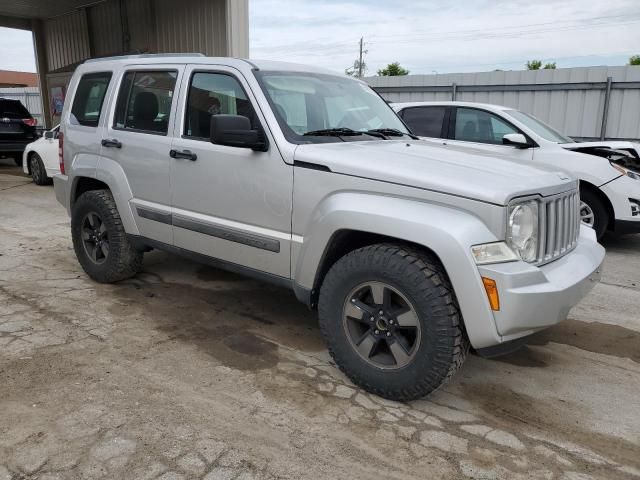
x=188 y=154
x=111 y=143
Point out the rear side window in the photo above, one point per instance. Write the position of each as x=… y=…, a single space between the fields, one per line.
x=89 y=98
x=214 y=94
x=13 y=109
x=425 y=121
x=144 y=101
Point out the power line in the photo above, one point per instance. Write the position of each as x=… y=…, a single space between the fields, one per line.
x=515 y=34
x=512 y=27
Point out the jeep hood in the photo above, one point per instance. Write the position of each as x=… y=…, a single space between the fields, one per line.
x=451 y=169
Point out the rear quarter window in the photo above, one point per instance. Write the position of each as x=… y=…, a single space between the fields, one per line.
x=89 y=98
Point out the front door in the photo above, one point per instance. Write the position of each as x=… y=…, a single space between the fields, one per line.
x=481 y=132
x=229 y=203
x=138 y=138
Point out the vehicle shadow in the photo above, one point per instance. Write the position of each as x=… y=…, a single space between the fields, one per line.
x=9 y=167
x=621 y=243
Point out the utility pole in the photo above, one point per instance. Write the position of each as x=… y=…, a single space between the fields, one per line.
x=360 y=65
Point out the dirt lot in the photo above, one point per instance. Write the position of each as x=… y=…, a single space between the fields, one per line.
x=191 y=372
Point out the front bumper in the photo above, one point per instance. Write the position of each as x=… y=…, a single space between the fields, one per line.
x=620 y=192
x=532 y=298
x=61 y=187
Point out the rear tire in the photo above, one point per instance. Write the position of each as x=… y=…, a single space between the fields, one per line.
x=17 y=157
x=593 y=212
x=414 y=328
x=38 y=172
x=99 y=239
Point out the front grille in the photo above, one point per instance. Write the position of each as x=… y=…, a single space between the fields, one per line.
x=559 y=225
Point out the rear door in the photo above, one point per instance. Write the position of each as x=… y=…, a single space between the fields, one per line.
x=429 y=122
x=138 y=138
x=482 y=132
x=82 y=125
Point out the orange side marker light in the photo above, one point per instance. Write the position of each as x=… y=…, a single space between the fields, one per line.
x=492 y=293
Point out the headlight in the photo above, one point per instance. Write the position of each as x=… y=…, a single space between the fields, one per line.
x=496 y=252
x=522 y=230
x=625 y=171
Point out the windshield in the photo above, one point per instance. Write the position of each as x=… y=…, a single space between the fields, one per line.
x=313 y=108
x=542 y=129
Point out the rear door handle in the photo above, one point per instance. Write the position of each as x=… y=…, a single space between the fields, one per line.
x=111 y=143
x=188 y=154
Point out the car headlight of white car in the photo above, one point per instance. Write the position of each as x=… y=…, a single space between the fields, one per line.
x=625 y=171
x=522 y=229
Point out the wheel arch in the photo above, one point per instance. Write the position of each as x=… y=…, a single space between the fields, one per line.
x=108 y=175
x=29 y=154
x=604 y=199
x=351 y=220
x=347 y=240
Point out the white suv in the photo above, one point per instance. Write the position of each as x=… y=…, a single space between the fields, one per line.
x=609 y=179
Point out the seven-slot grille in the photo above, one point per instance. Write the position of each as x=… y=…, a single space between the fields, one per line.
x=559 y=225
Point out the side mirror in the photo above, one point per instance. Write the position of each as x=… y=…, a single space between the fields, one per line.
x=235 y=131
x=518 y=140
x=50 y=134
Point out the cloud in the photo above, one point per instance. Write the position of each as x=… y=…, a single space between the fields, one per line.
x=468 y=35
x=16 y=50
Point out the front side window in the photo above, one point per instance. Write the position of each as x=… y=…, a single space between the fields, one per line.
x=425 y=121
x=144 y=101
x=308 y=104
x=473 y=125
x=214 y=94
x=89 y=98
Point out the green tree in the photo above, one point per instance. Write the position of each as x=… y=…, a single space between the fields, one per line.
x=392 y=70
x=534 y=64
x=550 y=66
x=635 y=60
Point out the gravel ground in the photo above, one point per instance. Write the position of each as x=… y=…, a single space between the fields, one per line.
x=191 y=372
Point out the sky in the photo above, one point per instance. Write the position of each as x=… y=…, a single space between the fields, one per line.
x=424 y=36
x=446 y=36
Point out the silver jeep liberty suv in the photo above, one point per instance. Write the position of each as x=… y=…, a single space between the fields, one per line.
x=410 y=252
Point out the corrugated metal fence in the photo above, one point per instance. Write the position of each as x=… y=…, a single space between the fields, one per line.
x=30 y=98
x=584 y=103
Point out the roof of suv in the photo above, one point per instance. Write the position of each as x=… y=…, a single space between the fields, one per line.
x=486 y=106
x=196 y=58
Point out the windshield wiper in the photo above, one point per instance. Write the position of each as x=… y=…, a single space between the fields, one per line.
x=391 y=132
x=333 y=132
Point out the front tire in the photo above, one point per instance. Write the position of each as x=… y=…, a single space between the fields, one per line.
x=100 y=241
x=391 y=321
x=593 y=212
x=38 y=172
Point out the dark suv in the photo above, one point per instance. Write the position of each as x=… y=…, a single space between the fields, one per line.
x=17 y=129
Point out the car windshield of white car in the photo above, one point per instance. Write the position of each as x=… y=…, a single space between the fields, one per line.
x=538 y=127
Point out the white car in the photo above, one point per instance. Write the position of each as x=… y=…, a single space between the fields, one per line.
x=609 y=172
x=40 y=158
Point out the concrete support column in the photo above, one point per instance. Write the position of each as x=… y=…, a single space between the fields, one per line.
x=37 y=30
x=237 y=12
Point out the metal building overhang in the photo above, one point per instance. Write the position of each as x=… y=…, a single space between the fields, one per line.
x=19 y=12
